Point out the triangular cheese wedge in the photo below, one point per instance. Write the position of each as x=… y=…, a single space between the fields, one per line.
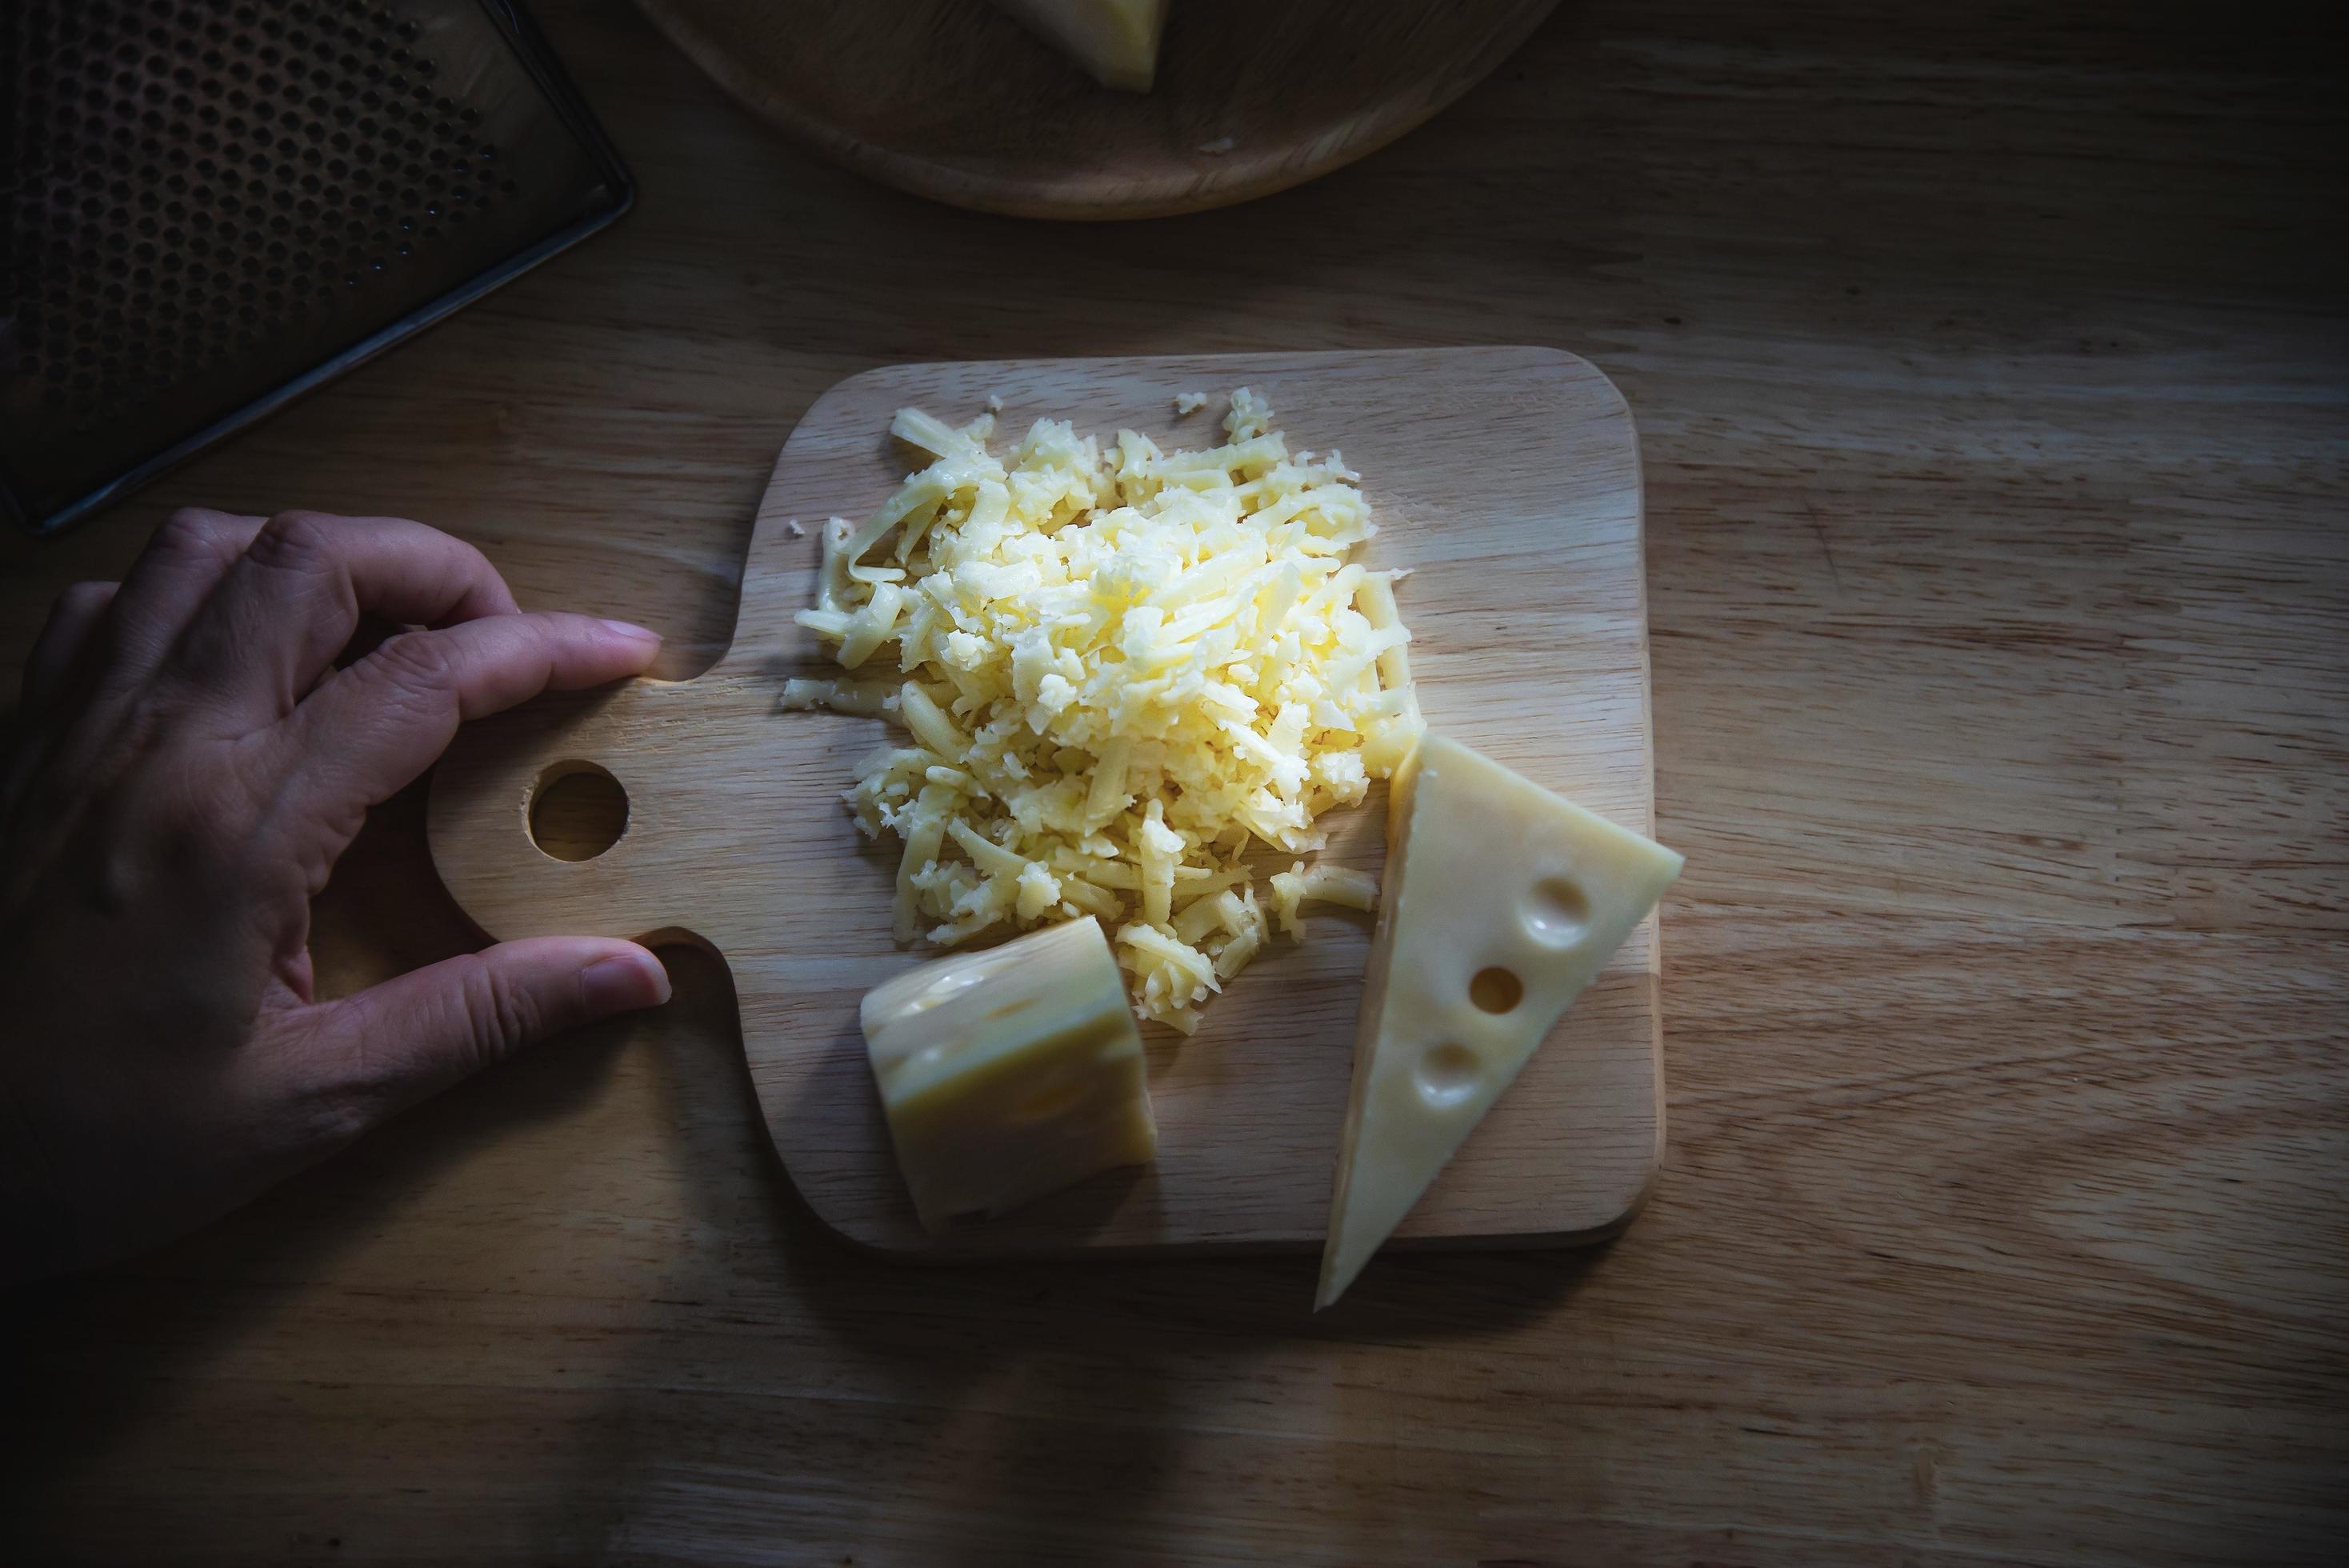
x=1501 y=903
x=1117 y=40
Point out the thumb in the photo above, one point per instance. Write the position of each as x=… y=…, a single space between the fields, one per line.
x=394 y=1044
x=65 y=640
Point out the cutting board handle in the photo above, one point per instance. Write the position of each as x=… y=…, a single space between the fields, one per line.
x=485 y=788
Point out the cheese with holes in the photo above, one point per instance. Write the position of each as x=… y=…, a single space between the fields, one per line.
x=1010 y=1073
x=1502 y=901
x=1115 y=40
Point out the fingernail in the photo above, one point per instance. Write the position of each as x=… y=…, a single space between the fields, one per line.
x=633 y=632
x=624 y=983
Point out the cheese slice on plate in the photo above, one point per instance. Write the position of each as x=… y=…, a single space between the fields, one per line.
x=1117 y=40
x=1502 y=903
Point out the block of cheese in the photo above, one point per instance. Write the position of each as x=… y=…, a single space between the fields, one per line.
x=1502 y=901
x=1117 y=40
x=1009 y=1073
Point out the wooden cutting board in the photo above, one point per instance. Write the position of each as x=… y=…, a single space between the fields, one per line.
x=953 y=100
x=1507 y=478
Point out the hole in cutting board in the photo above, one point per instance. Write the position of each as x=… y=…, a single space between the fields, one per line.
x=577 y=811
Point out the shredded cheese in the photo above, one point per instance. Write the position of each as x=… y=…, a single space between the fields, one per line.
x=1118 y=669
x=1300 y=884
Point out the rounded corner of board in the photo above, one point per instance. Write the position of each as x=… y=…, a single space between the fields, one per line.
x=878 y=1238
x=1551 y=356
x=857 y=381
x=1605 y=1222
x=1582 y=377
x=861 y=1231
x=1635 y=1197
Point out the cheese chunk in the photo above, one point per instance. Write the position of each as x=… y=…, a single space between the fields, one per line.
x=1115 y=40
x=1010 y=1073
x=1502 y=903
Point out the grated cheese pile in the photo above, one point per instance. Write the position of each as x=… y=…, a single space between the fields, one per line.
x=1117 y=668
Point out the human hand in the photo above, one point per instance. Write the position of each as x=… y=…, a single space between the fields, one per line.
x=189 y=767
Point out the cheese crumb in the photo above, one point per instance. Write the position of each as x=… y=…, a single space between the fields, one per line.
x=1189 y=402
x=1251 y=417
x=1299 y=885
x=1118 y=668
x=840 y=697
x=791 y=526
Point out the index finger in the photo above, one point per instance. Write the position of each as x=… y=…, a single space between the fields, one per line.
x=292 y=601
x=370 y=729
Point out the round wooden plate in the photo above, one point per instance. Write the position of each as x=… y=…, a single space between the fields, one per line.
x=953 y=100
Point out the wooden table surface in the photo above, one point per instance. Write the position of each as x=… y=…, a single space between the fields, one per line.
x=1993 y=383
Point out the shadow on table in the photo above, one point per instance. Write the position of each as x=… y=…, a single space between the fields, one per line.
x=658 y=1351
x=216 y=1335
x=1046 y=1409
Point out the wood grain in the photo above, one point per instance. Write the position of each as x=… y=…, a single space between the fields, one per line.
x=1990 y=374
x=953 y=100
x=1505 y=479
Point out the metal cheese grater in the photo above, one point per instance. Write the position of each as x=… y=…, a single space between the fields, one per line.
x=206 y=210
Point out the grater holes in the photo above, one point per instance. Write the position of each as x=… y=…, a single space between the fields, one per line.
x=184 y=141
